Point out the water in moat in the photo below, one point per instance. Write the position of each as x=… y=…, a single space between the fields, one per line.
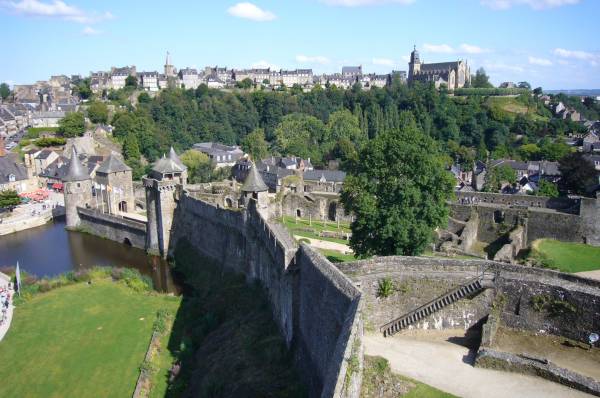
x=50 y=250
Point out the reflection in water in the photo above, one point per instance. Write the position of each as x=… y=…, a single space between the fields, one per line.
x=50 y=250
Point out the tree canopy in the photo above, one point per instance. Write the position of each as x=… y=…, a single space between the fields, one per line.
x=72 y=125
x=397 y=190
x=98 y=112
x=4 y=91
x=9 y=199
x=577 y=174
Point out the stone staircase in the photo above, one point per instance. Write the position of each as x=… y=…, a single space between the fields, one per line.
x=469 y=288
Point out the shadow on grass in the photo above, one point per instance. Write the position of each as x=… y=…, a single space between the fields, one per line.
x=224 y=336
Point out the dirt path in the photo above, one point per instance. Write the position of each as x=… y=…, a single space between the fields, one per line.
x=435 y=361
x=590 y=274
x=325 y=244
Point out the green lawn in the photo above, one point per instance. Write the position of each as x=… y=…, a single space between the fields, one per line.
x=337 y=257
x=79 y=341
x=300 y=227
x=566 y=256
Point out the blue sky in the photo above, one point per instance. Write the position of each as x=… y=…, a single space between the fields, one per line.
x=550 y=43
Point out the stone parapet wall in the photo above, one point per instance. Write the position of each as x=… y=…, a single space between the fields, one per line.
x=526 y=298
x=113 y=227
x=562 y=204
x=417 y=282
x=316 y=307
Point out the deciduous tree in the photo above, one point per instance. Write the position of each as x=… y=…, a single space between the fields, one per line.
x=397 y=191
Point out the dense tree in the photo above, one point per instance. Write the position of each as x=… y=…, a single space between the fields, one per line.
x=98 y=112
x=9 y=199
x=529 y=152
x=82 y=89
x=245 y=84
x=300 y=135
x=72 y=125
x=198 y=165
x=397 y=192
x=131 y=82
x=481 y=79
x=498 y=176
x=255 y=145
x=578 y=174
x=547 y=188
x=525 y=85
x=4 y=91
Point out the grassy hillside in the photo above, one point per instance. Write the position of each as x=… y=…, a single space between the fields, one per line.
x=511 y=107
x=78 y=341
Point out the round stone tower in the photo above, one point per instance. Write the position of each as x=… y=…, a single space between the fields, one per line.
x=255 y=188
x=163 y=185
x=77 y=189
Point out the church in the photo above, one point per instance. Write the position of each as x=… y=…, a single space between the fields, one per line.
x=451 y=74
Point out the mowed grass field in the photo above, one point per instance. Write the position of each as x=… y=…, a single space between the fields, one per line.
x=79 y=341
x=566 y=256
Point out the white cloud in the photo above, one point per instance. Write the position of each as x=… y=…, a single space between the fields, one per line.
x=317 y=59
x=540 y=61
x=576 y=54
x=383 y=61
x=534 y=4
x=89 y=31
x=262 y=64
x=358 y=3
x=54 y=9
x=471 y=49
x=498 y=66
x=438 y=48
x=250 y=11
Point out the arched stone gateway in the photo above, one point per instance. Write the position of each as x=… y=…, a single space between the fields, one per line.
x=298 y=213
x=332 y=213
x=127 y=242
x=123 y=206
x=228 y=202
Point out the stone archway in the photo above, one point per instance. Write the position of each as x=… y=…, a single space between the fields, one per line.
x=228 y=202
x=123 y=206
x=332 y=211
x=298 y=213
x=127 y=242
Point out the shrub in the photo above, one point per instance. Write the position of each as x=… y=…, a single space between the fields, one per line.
x=385 y=288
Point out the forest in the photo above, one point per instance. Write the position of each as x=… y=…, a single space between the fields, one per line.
x=328 y=123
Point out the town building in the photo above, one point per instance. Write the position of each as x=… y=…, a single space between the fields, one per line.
x=149 y=81
x=452 y=75
x=189 y=78
x=220 y=155
x=118 y=76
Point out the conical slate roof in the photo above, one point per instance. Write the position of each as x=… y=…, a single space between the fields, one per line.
x=166 y=165
x=173 y=156
x=113 y=165
x=76 y=171
x=254 y=182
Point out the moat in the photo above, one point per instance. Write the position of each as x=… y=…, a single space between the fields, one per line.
x=50 y=250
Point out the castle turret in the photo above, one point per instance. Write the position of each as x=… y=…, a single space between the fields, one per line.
x=255 y=188
x=77 y=189
x=163 y=186
x=169 y=69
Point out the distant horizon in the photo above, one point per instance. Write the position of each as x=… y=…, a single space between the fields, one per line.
x=544 y=42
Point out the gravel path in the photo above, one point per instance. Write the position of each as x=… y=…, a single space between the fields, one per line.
x=590 y=274
x=325 y=244
x=447 y=366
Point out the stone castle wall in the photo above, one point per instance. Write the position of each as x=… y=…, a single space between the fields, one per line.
x=315 y=306
x=112 y=227
x=525 y=298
